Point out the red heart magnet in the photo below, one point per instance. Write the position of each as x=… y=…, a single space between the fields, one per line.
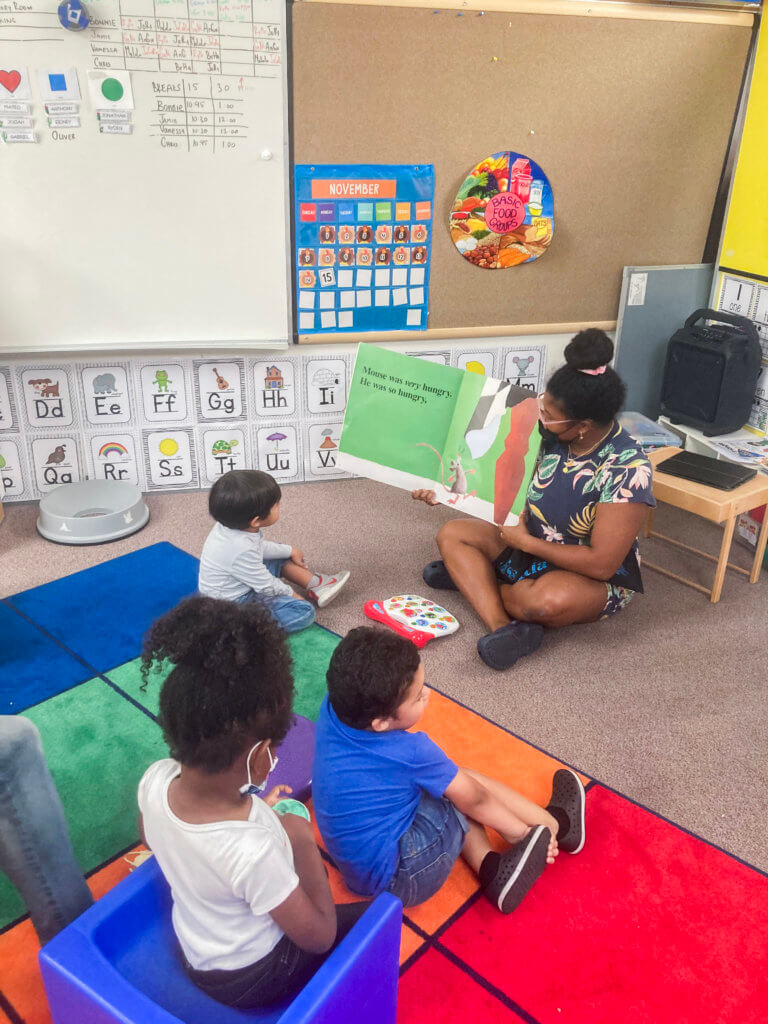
x=10 y=80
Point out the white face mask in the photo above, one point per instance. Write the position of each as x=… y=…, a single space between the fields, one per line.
x=258 y=787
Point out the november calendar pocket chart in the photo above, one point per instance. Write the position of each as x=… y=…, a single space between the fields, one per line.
x=363 y=245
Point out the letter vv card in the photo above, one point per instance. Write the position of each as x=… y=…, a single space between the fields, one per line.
x=363 y=243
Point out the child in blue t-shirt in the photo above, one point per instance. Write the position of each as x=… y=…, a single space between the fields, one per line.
x=395 y=812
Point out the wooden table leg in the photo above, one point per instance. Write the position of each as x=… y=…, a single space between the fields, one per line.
x=760 y=550
x=722 y=561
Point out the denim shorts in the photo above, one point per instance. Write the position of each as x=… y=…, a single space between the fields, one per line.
x=291 y=613
x=428 y=850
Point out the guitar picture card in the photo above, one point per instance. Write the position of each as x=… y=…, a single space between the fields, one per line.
x=220 y=389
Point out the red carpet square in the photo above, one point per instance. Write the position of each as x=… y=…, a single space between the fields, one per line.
x=435 y=991
x=646 y=924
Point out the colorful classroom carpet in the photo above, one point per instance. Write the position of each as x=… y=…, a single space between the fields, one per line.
x=648 y=925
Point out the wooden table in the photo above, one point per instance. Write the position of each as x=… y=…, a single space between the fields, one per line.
x=716 y=506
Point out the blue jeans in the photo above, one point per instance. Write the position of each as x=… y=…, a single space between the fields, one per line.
x=290 y=612
x=428 y=850
x=35 y=851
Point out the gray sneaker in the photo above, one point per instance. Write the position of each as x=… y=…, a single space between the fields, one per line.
x=328 y=588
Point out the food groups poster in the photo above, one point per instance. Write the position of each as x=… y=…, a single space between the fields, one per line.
x=363 y=244
x=414 y=423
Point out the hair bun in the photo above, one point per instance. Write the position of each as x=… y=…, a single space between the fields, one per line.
x=589 y=349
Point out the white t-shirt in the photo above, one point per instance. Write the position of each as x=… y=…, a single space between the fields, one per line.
x=225 y=877
x=232 y=564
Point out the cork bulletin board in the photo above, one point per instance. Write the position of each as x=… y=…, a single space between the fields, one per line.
x=629 y=117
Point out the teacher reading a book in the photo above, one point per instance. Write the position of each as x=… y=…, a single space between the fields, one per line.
x=572 y=557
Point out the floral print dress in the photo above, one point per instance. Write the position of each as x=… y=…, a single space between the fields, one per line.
x=566 y=490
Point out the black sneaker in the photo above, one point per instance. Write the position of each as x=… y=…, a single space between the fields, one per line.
x=518 y=869
x=567 y=805
x=437 y=576
x=502 y=648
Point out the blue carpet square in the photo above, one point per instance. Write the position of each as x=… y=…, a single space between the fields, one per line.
x=34 y=667
x=101 y=614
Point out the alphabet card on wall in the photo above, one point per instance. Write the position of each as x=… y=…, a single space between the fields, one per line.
x=363 y=241
x=326 y=385
x=322 y=451
x=524 y=367
x=163 y=388
x=170 y=459
x=47 y=396
x=114 y=457
x=220 y=389
x=12 y=470
x=105 y=394
x=274 y=388
x=278 y=452
x=442 y=358
x=55 y=461
x=480 y=361
x=223 y=449
x=8 y=417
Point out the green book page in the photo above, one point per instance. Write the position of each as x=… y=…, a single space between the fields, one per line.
x=397 y=405
x=408 y=423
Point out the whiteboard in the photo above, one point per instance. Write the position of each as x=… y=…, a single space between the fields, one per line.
x=157 y=224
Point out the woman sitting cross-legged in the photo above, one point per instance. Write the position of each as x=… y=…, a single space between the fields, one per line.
x=573 y=556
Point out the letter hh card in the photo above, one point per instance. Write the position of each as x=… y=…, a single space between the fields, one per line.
x=363 y=247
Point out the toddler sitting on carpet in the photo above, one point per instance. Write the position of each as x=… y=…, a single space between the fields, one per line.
x=395 y=812
x=238 y=564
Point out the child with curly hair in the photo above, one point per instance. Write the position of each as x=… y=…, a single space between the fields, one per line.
x=252 y=908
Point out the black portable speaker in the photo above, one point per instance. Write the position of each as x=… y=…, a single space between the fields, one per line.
x=711 y=372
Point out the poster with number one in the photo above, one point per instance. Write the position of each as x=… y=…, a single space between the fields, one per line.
x=363 y=246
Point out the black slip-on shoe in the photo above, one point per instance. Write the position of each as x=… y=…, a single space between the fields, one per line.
x=502 y=648
x=567 y=805
x=437 y=576
x=518 y=869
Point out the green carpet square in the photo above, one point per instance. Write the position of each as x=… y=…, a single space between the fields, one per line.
x=311 y=650
x=97 y=746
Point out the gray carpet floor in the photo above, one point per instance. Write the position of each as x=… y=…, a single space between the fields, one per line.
x=666 y=702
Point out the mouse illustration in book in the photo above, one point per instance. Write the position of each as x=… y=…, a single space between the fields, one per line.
x=220 y=382
x=456 y=484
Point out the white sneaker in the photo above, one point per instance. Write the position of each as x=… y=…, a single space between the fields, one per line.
x=328 y=588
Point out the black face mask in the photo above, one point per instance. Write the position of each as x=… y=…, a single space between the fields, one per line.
x=549 y=436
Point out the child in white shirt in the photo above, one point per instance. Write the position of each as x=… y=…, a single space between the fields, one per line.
x=238 y=564
x=252 y=908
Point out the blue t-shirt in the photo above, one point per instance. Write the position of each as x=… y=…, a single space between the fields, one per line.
x=366 y=787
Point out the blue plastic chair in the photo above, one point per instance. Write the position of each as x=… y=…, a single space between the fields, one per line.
x=118 y=962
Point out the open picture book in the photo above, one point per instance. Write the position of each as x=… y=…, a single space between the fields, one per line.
x=415 y=424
